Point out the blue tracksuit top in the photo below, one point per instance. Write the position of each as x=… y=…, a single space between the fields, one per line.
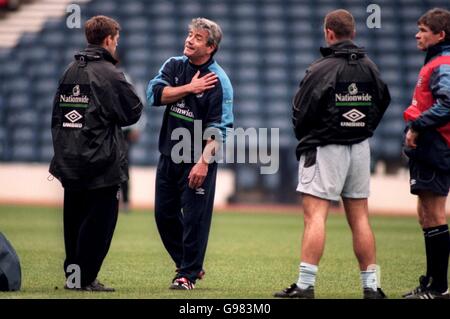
x=214 y=107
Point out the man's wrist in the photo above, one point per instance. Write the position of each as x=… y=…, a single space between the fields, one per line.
x=188 y=88
x=202 y=161
x=413 y=128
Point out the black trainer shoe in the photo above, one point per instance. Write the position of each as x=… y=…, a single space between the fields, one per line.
x=200 y=275
x=424 y=282
x=94 y=286
x=97 y=286
x=429 y=294
x=295 y=292
x=369 y=293
x=182 y=283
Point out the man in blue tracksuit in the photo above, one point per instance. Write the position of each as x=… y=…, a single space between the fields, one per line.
x=199 y=99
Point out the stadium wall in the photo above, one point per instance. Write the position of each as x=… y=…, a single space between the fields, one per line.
x=32 y=184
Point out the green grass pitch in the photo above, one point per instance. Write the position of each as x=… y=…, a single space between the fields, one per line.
x=248 y=256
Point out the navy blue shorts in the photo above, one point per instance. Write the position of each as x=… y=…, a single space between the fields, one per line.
x=424 y=177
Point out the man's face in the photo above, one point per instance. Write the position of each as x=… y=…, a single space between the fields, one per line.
x=196 y=48
x=426 y=38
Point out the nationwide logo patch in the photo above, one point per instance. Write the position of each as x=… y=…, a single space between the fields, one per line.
x=76 y=90
x=353 y=89
x=354 y=115
x=73 y=116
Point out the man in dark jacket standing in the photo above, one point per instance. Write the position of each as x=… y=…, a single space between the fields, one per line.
x=92 y=103
x=427 y=144
x=339 y=104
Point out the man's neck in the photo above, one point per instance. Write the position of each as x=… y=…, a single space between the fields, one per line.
x=336 y=41
x=200 y=61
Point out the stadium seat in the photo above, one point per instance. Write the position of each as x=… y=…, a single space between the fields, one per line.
x=266 y=48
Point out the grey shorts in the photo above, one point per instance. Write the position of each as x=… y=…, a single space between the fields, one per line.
x=332 y=171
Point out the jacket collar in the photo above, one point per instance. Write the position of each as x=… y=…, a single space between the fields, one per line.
x=437 y=50
x=202 y=66
x=95 y=52
x=346 y=48
x=341 y=45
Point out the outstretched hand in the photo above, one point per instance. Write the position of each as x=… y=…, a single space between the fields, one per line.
x=206 y=82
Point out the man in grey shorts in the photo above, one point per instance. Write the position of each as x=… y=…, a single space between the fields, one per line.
x=339 y=104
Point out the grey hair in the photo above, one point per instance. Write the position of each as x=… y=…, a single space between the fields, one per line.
x=214 y=31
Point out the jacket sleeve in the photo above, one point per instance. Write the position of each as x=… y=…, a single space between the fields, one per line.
x=220 y=108
x=128 y=108
x=162 y=79
x=439 y=114
x=305 y=106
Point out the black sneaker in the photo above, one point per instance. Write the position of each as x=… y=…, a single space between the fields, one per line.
x=182 y=283
x=429 y=294
x=94 y=286
x=369 y=293
x=97 y=286
x=200 y=275
x=295 y=292
x=424 y=282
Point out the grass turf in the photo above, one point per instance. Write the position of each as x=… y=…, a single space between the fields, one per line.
x=248 y=256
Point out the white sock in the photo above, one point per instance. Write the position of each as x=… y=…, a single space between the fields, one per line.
x=307 y=275
x=369 y=279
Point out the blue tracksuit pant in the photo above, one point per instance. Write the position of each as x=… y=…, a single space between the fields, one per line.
x=183 y=215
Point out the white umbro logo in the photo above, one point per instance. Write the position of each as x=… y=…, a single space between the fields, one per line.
x=200 y=191
x=354 y=115
x=73 y=116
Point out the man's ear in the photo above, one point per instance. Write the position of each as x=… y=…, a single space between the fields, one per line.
x=442 y=35
x=211 y=48
x=329 y=34
x=106 y=41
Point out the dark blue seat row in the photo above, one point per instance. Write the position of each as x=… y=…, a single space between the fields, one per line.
x=266 y=48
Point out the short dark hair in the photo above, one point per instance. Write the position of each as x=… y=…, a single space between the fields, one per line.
x=341 y=22
x=437 y=20
x=99 y=27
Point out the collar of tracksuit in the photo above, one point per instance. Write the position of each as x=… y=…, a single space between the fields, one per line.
x=437 y=50
x=202 y=66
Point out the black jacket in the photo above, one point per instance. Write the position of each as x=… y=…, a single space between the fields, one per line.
x=93 y=102
x=341 y=99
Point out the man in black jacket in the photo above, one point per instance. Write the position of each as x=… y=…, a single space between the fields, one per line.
x=339 y=104
x=92 y=103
